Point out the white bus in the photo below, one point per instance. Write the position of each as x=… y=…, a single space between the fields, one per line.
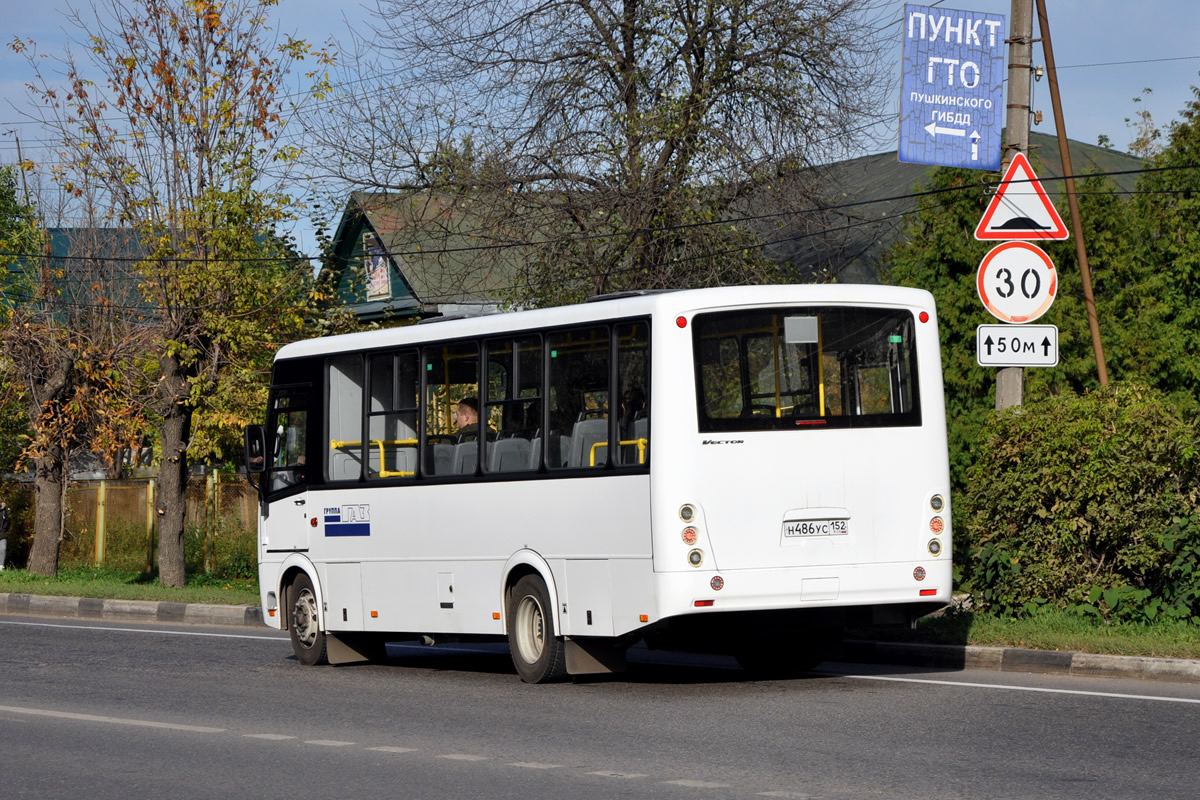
x=744 y=470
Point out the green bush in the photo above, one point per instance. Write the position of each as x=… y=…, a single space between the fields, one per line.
x=1086 y=503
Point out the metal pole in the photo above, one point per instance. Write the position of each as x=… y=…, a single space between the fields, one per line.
x=1085 y=271
x=1010 y=381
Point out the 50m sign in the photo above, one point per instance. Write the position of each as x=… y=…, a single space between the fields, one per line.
x=1017 y=282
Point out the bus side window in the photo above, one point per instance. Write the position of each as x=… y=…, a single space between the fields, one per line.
x=579 y=398
x=344 y=398
x=451 y=375
x=392 y=416
x=633 y=377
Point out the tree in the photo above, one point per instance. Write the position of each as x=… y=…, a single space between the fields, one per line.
x=609 y=141
x=179 y=131
x=65 y=333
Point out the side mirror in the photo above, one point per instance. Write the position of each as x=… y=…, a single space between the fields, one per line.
x=255 y=443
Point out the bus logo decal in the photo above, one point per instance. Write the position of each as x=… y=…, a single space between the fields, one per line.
x=348 y=520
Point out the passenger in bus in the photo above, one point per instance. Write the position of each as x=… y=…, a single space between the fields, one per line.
x=467 y=419
x=633 y=406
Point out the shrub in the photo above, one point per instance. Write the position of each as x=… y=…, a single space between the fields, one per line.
x=1086 y=503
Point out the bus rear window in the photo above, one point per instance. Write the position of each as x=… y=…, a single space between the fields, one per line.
x=805 y=367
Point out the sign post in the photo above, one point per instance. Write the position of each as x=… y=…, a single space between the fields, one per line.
x=952 y=87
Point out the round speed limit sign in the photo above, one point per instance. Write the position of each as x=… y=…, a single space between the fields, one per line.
x=1017 y=282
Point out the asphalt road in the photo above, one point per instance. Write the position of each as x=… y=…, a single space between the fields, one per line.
x=110 y=710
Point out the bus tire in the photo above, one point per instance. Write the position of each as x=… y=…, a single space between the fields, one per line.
x=304 y=623
x=538 y=655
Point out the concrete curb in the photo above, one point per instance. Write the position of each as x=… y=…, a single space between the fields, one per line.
x=1015 y=659
x=129 y=610
x=950 y=657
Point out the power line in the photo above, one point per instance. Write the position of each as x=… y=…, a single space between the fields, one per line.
x=302 y=259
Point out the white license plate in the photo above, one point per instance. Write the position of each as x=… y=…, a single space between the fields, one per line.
x=804 y=528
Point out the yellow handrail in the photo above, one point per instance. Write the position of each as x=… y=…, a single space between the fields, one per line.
x=641 y=445
x=384 y=472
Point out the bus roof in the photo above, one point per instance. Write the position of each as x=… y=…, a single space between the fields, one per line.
x=624 y=305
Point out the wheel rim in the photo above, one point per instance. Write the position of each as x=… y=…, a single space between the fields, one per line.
x=531 y=629
x=304 y=618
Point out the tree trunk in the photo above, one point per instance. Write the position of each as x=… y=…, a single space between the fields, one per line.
x=171 y=493
x=49 y=483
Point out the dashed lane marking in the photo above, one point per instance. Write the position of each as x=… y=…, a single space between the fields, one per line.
x=271 y=737
x=463 y=757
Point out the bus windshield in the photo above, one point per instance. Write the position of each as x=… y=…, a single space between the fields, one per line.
x=804 y=368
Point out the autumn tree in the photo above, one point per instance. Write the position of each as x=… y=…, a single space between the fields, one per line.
x=67 y=332
x=610 y=141
x=176 y=116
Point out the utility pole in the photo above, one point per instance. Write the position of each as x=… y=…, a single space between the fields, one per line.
x=1085 y=272
x=1010 y=381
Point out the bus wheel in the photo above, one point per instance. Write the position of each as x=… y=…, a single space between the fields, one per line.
x=308 y=640
x=537 y=654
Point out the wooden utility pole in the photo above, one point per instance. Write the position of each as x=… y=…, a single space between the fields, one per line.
x=1010 y=381
x=1085 y=271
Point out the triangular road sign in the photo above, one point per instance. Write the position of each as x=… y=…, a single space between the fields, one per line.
x=1020 y=208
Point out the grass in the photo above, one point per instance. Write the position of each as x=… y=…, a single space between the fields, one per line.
x=1047 y=631
x=131 y=585
x=1051 y=631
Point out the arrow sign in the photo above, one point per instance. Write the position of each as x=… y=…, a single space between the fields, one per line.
x=933 y=129
x=1020 y=208
x=1016 y=345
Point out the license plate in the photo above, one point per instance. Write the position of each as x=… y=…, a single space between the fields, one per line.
x=804 y=528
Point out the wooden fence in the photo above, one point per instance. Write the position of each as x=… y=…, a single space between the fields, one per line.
x=112 y=523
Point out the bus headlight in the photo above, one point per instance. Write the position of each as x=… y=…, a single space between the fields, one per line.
x=935 y=547
x=687 y=512
x=937 y=502
x=696 y=557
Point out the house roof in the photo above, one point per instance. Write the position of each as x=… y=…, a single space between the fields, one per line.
x=436 y=253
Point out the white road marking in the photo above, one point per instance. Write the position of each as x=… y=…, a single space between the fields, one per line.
x=142 y=723
x=330 y=743
x=463 y=757
x=274 y=737
x=389 y=749
x=608 y=773
x=691 y=784
x=1038 y=689
x=276 y=638
x=534 y=765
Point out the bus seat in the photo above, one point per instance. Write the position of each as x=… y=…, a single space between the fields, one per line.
x=442 y=461
x=630 y=453
x=509 y=455
x=344 y=466
x=588 y=432
x=464 y=457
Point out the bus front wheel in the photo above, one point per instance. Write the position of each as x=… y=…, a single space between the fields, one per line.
x=304 y=624
x=538 y=655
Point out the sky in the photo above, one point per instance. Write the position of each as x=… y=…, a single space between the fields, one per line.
x=1107 y=51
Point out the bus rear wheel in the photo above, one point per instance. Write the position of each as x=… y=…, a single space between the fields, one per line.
x=538 y=655
x=304 y=624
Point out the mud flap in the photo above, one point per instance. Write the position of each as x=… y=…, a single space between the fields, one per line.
x=591 y=656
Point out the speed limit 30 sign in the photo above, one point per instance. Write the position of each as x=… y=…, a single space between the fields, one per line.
x=1017 y=282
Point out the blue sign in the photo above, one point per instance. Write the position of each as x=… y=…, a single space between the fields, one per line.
x=952 y=88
